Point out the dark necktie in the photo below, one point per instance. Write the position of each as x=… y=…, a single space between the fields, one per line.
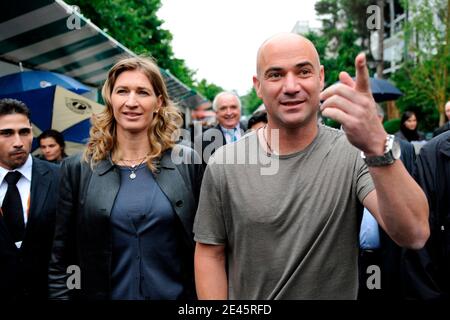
x=12 y=207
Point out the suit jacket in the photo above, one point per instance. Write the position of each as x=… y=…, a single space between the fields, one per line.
x=427 y=271
x=23 y=272
x=390 y=253
x=83 y=228
x=441 y=129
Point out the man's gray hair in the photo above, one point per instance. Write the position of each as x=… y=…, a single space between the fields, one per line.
x=214 y=104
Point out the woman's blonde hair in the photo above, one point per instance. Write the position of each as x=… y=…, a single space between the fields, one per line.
x=164 y=127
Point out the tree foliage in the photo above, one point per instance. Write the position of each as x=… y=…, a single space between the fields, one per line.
x=423 y=78
x=356 y=12
x=346 y=51
x=135 y=24
x=416 y=99
x=330 y=14
x=208 y=90
x=341 y=35
x=335 y=15
x=250 y=101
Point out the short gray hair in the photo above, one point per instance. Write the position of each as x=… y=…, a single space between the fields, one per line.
x=216 y=98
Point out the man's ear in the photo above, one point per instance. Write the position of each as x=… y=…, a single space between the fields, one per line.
x=257 y=86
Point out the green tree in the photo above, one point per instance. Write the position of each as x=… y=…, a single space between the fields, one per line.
x=250 y=102
x=415 y=99
x=356 y=12
x=339 y=41
x=134 y=23
x=346 y=51
x=342 y=35
x=330 y=14
x=335 y=16
x=423 y=78
x=208 y=90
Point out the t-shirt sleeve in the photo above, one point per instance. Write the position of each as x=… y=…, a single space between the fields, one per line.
x=209 y=225
x=364 y=182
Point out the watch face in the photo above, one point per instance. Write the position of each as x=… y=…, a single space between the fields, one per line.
x=396 y=150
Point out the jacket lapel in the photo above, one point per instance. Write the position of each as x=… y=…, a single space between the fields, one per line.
x=107 y=185
x=40 y=185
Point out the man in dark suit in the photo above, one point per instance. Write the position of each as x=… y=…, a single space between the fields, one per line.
x=378 y=249
x=28 y=194
x=227 y=106
x=427 y=271
x=445 y=126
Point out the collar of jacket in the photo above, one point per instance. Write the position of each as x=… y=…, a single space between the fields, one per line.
x=107 y=164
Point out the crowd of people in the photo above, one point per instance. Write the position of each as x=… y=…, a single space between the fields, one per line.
x=145 y=217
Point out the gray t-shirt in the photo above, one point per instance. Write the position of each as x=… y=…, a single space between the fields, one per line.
x=289 y=235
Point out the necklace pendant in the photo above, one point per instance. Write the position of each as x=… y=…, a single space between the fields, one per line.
x=132 y=175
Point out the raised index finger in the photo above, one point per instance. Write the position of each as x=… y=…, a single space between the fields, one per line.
x=362 y=74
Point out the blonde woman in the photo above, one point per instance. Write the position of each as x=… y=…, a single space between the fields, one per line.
x=126 y=209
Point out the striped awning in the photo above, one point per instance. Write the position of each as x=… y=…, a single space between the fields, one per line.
x=51 y=35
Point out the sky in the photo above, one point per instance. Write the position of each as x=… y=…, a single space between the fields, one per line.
x=219 y=38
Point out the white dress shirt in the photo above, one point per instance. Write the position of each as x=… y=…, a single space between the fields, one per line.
x=24 y=185
x=227 y=133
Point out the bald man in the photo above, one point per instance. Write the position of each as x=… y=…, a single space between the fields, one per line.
x=446 y=126
x=293 y=234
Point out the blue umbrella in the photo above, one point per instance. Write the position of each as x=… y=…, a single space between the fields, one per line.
x=383 y=90
x=57 y=108
x=30 y=80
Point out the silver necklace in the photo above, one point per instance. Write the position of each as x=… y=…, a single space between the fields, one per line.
x=134 y=167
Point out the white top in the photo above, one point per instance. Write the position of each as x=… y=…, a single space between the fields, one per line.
x=24 y=185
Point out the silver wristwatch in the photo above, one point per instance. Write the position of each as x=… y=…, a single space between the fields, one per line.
x=391 y=153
